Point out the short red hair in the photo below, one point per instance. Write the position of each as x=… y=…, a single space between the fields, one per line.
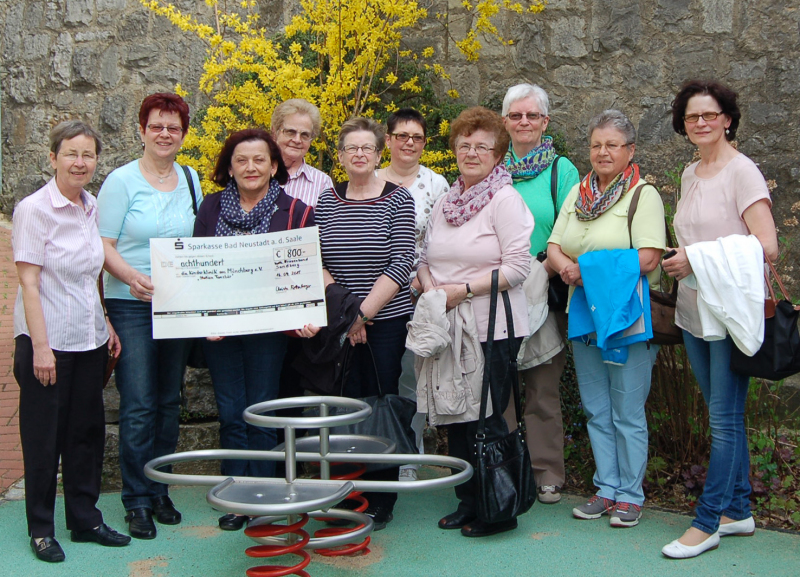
x=165 y=102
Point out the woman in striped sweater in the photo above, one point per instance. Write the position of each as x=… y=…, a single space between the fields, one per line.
x=367 y=241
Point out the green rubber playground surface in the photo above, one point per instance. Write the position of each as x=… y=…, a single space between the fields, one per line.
x=548 y=542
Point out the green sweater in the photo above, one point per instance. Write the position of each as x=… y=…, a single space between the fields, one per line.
x=536 y=194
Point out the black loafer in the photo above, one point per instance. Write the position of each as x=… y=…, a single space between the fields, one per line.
x=165 y=512
x=102 y=535
x=140 y=523
x=456 y=520
x=380 y=517
x=231 y=522
x=48 y=550
x=480 y=528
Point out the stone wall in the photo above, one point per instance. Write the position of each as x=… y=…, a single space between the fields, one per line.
x=98 y=58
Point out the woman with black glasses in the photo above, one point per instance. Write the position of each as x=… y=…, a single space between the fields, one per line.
x=406 y=141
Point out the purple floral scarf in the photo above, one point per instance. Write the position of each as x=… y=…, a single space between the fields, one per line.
x=461 y=205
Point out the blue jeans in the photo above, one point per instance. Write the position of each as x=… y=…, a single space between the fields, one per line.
x=149 y=375
x=613 y=399
x=245 y=370
x=727 y=488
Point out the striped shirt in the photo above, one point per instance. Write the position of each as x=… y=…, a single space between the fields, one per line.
x=364 y=239
x=56 y=234
x=307 y=183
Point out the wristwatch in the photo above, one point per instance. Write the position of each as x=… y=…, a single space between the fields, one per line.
x=469 y=292
x=364 y=318
x=414 y=292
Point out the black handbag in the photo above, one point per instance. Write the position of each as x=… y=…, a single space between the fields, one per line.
x=557 y=289
x=502 y=468
x=779 y=355
x=391 y=418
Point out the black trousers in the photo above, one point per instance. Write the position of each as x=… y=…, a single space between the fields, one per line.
x=461 y=436
x=65 y=420
x=387 y=339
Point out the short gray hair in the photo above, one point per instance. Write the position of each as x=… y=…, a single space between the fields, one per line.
x=296 y=106
x=70 y=129
x=613 y=119
x=360 y=123
x=522 y=91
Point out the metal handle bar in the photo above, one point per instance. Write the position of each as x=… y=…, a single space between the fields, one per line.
x=464 y=474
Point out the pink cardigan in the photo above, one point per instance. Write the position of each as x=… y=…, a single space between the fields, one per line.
x=499 y=236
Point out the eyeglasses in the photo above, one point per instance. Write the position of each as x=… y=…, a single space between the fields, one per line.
x=480 y=149
x=517 y=116
x=366 y=149
x=291 y=133
x=72 y=156
x=611 y=147
x=403 y=137
x=172 y=129
x=707 y=116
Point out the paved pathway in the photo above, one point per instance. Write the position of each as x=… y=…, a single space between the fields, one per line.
x=10 y=450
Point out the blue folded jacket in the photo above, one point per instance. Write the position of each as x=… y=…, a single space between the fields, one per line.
x=612 y=308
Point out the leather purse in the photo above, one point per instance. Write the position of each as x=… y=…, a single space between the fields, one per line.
x=503 y=471
x=779 y=355
x=390 y=418
x=662 y=303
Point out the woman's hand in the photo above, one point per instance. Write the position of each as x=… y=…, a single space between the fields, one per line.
x=456 y=293
x=358 y=332
x=114 y=344
x=141 y=287
x=44 y=365
x=678 y=266
x=307 y=331
x=571 y=274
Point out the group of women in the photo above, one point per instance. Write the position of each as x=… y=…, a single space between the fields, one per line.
x=389 y=236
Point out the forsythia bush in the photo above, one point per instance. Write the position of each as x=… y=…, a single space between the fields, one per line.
x=345 y=56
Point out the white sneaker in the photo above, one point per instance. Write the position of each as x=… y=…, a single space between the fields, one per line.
x=407 y=475
x=743 y=528
x=677 y=550
x=549 y=494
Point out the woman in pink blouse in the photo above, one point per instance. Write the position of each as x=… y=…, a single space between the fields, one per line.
x=63 y=340
x=480 y=225
x=723 y=194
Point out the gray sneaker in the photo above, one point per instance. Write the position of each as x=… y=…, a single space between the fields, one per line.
x=594 y=508
x=626 y=515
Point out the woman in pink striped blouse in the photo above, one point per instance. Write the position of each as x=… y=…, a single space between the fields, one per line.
x=63 y=340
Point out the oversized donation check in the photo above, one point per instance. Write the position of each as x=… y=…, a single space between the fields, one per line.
x=237 y=285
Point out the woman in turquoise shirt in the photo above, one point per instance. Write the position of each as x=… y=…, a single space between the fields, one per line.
x=150 y=197
x=534 y=166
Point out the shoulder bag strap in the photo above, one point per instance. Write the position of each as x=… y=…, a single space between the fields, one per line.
x=480 y=434
x=190 y=181
x=631 y=211
x=554 y=188
x=306 y=213
x=291 y=214
x=512 y=361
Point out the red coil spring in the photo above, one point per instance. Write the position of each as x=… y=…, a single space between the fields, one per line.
x=276 y=530
x=350 y=548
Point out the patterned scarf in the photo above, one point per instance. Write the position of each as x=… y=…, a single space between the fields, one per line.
x=593 y=202
x=234 y=221
x=534 y=163
x=461 y=205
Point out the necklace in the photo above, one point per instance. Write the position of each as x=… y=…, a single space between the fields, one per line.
x=397 y=179
x=160 y=178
